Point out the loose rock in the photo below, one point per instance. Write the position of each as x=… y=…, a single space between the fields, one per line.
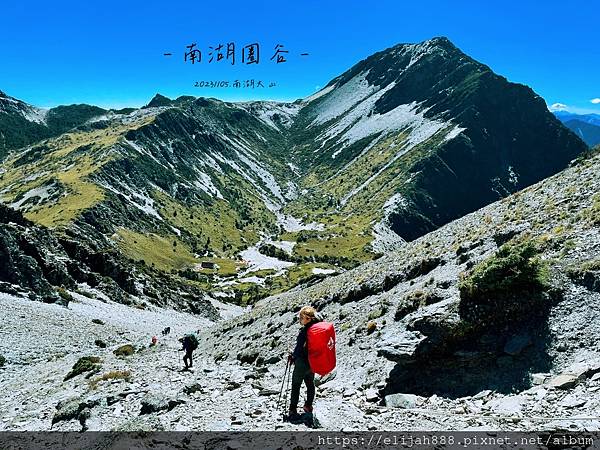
x=405 y=401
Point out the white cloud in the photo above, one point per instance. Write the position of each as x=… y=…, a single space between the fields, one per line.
x=558 y=107
x=595 y=101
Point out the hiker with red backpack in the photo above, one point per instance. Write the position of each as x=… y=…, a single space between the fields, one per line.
x=314 y=353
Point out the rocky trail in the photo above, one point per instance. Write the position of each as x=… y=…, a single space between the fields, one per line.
x=42 y=342
x=39 y=350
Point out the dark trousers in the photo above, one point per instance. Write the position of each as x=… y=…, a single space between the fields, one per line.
x=302 y=373
x=187 y=357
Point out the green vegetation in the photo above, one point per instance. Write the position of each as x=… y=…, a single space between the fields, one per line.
x=66 y=298
x=346 y=326
x=155 y=250
x=414 y=300
x=218 y=226
x=512 y=268
x=227 y=267
x=300 y=274
x=65 y=168
x=346 y=240
x=85 y=364
x=264 y=273
x=249 y=293
x=377 y=313
x=591 y=265
x=579 y=271
x=509 y=282
x=65 y=162
x=124 y=350
x=18 y=132
x=592 y=213
x=81 y=195
x=343 y=243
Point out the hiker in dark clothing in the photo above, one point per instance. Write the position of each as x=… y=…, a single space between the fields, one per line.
x=188 y=346
x=302 y=371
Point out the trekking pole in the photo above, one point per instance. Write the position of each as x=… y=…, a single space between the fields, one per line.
x=287 y=390
x=287 y=365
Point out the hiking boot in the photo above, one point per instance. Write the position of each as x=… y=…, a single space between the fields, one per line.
x=295 y=419
x=292 y=417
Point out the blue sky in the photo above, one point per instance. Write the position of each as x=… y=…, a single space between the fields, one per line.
x=110 y=53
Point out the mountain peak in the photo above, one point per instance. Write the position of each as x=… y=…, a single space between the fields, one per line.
x=439 y=45
x=158 y=100
x=425 y=70
x=439 y=40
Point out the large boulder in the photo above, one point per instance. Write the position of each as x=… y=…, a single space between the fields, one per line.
x=405 y=401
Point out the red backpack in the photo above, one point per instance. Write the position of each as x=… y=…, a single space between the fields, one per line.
x=320 y=339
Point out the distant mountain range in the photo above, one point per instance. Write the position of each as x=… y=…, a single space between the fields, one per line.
x=586 y=126
x=565 y=116
x=402 y=143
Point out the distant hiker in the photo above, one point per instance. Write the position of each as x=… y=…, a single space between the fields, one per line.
x=314 y=353
x=189 y=343
x=166 y=331
x=153 y=341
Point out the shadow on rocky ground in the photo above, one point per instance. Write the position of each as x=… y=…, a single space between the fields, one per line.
x=502 y=361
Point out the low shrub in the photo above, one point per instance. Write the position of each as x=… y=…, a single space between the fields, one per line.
x=504 y=286
x=85 y=364
x=112 y=375
x=371 y=327
x=377 y=313
x=414 y=300
x=124 y=350
x=65 y=297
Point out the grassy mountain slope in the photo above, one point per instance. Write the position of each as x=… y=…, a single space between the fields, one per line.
x=400 y=144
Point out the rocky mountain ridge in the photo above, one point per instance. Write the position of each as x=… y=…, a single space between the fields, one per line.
x=22 y=124
x=277 y=194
